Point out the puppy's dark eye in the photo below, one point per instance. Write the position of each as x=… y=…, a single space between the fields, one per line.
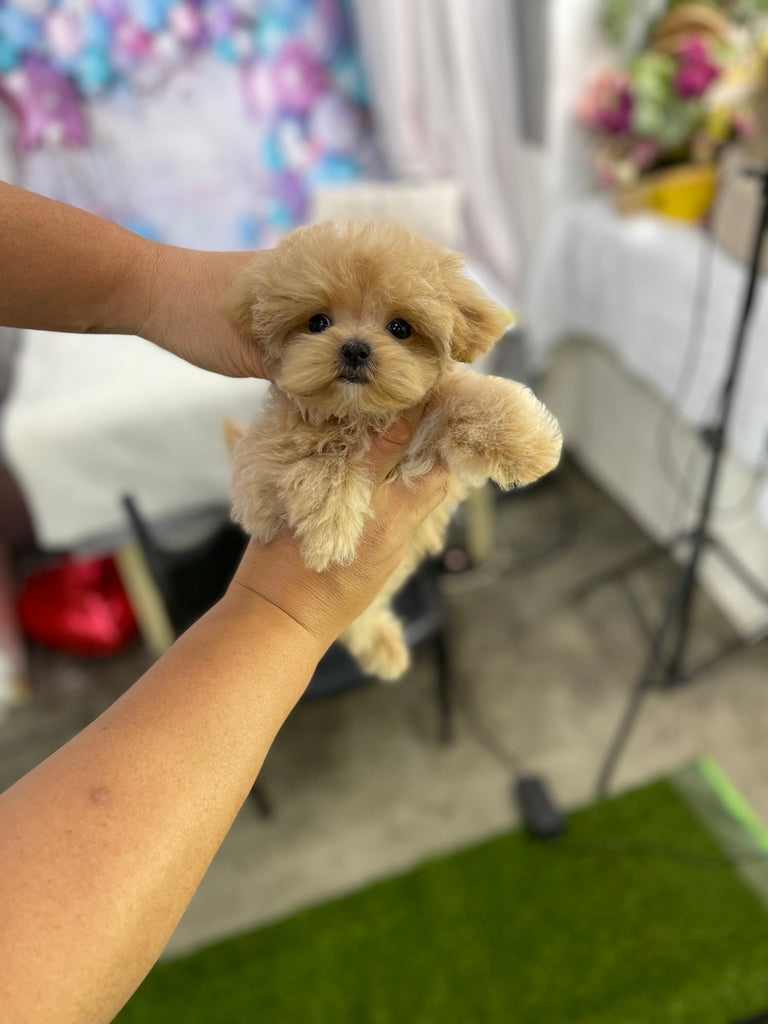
x=319 y=323
x=400 y=329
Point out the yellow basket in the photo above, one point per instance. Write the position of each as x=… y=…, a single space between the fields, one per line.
x=685 y=192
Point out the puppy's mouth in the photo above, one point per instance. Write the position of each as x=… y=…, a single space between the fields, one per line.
x=358 y=375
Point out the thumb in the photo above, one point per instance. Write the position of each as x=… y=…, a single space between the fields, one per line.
x=388 y=449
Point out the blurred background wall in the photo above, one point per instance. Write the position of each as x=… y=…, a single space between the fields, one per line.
x=209 y=122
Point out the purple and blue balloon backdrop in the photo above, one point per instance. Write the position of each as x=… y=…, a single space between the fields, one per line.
x=200 y=122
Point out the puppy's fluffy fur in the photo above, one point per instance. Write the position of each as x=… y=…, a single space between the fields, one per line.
x=356 y=322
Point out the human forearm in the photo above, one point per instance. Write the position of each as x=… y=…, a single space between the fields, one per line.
x=109 y=838
x=105 y=842
x=64 y=269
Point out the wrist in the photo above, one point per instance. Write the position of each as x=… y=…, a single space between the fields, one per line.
x=152 y=290
x=168 y=286
x=317 y=604
x=260 y=612
x=128 y=303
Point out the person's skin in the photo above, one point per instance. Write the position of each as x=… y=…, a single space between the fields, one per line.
x=67 y=270
x=104 y=843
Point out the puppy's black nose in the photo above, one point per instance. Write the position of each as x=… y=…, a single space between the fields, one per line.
x=355 y=353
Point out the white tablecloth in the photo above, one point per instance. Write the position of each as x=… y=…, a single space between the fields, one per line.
x=91 y=418
x=630 y=283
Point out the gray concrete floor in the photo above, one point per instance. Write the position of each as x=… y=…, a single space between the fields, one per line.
x=360 y=786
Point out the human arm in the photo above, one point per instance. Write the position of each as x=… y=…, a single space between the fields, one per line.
x=105 y=842
x=63 y=269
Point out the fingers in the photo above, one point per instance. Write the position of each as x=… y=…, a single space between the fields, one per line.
x=411 y=503
x=388 y=449
x=426 y=493
x=415 y=501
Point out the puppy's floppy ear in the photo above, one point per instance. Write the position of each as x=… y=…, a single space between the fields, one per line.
x=241 y=302
x=478 y=323
x=232 y=433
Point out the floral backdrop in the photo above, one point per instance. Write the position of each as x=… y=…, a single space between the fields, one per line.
x=196 y=121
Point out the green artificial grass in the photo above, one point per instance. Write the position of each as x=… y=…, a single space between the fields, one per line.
x=632 y=917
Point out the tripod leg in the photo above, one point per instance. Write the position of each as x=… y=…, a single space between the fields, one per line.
x=716 y=436
x=677 y=615
x=653 y=661
x=616 y=572
x=673 y=669
x=627 y=721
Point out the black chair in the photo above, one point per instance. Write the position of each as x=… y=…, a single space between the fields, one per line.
x=191 y=578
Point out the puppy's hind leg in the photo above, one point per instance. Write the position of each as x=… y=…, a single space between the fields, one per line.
x=375 y=640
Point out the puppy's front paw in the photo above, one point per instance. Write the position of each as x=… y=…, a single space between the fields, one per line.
x=330 y=539
x=328 y=504
x=499 y=429
x=530 y=444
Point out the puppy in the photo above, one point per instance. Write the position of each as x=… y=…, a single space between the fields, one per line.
x=356 y=322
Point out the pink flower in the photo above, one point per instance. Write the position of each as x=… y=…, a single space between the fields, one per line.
x=259 y=89
x=695 y=69
x=607 y=102
x=45 y=103
x=132 y=44
x=615 y=116
x=298 y=78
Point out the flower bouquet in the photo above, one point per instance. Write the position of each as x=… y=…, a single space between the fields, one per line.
x=659 y=123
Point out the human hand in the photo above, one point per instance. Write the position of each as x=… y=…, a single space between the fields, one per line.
x=183 y=291
x=323 y=603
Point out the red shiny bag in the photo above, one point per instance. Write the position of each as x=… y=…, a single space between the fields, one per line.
x=79 y=607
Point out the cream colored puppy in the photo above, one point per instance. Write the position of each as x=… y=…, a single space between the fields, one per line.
x=356 y=322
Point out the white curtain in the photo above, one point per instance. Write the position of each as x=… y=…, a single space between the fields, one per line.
x=445 y=97
x=576 y=48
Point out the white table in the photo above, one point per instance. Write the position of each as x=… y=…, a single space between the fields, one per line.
x=91 y=418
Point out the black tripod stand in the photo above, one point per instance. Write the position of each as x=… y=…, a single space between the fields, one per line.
x=667 y=643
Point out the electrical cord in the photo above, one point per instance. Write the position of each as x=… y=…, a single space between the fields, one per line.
x=538 y=812
x=564 y=535
x=466 y=703
x=640 y=689
x=488 y=740
x=732 y=512
x=634 y=848
x=509 y=759
x=686 y=374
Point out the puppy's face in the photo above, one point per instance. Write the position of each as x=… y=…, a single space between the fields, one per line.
x=356 y=319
